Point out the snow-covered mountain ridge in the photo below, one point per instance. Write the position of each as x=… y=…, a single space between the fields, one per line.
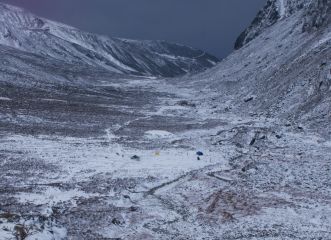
x=25 y=31
x=283 y=71
x=315 y=12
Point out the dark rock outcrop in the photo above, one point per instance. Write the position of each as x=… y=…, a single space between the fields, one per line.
x=316 y=13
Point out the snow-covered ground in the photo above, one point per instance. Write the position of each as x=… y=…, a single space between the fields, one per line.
x=140 y=181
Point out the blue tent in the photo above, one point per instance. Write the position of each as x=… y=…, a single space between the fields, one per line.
x=199 y=153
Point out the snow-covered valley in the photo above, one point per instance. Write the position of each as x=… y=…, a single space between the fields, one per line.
x=91 y=187
x=240 y=151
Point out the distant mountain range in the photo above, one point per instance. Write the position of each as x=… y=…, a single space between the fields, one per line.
x=24 y=31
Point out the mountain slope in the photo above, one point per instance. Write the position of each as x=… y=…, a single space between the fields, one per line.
x=25 y=31
x=283 y=70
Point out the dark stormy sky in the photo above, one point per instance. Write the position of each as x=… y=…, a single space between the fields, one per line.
x=211 y=25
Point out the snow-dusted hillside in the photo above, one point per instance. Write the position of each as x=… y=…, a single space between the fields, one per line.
x=25 y=31
x=282 y=71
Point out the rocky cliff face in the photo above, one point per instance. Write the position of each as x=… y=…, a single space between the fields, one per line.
x=24 y=31
x=265 y=18
x=315 y=14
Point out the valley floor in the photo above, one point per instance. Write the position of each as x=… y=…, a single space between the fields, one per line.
x=119 y=162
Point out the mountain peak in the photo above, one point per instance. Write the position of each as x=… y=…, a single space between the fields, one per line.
x=313 y=13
